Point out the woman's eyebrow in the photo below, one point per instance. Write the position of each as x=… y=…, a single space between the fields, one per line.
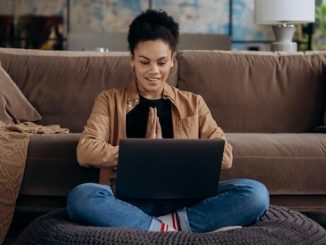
x=144 y=57
x=162 y=58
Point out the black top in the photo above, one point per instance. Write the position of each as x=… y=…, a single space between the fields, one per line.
x=137 y=118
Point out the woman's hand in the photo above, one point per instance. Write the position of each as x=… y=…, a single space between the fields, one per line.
x=153 y=130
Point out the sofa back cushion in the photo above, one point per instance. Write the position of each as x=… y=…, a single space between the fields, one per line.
x=257 y=91
x=63 y=85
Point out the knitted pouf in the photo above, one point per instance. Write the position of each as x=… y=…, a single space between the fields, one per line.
x=279 y=225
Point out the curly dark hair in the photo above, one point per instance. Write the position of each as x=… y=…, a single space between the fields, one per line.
x=153 y=25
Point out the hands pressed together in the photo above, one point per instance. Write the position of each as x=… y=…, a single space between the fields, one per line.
x=153 y=130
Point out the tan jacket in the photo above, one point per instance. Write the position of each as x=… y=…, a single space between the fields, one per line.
x=98 y=144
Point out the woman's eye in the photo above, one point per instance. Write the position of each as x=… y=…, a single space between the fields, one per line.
x=161 y=63
x=144 y=62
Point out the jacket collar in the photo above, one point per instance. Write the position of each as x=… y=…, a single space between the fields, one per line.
x=133 y=96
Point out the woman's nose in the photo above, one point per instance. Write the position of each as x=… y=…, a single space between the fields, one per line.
x=154 y=68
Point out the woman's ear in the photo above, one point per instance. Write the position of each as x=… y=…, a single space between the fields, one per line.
x=172 y=59
x=132 y=62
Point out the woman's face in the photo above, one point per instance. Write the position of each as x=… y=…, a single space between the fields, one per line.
x=152 y=61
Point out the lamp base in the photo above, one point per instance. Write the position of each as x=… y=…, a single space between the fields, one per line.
x=283 y=35
x=284 y=46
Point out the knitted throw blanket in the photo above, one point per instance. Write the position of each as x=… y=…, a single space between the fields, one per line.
x=14 y=141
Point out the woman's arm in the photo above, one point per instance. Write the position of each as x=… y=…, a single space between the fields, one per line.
x=93 y=149
x=208 y=129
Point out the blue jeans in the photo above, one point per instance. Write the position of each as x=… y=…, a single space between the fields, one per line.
x=239 y=202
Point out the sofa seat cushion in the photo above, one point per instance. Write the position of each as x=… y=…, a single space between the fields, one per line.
x=288 y=164
x=51 y=166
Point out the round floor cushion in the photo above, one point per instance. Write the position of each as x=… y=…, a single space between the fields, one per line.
x=279 y=225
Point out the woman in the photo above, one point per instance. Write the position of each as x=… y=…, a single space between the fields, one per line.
x=150 y=108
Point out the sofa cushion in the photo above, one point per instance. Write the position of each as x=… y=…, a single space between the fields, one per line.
x=63 y=85
x=51 y=166
x=288 y=164
x=258 y=92
x=14 y=107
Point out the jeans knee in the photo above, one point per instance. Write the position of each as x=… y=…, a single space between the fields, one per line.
x=80 y=198
x=258 y=195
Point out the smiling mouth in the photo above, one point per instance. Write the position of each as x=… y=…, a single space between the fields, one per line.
x=153 y=80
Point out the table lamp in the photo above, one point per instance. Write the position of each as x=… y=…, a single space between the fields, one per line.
x=283 y=15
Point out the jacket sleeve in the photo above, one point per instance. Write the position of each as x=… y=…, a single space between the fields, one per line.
x=209 y=130
x=93 y=149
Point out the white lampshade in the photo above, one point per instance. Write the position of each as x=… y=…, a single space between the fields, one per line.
x=280 y=11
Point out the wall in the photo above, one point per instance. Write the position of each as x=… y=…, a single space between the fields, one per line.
x=230 y=17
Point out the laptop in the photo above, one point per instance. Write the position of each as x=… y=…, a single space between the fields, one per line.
x=168 y=168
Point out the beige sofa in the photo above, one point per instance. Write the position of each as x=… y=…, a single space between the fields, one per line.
x=267 y=103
